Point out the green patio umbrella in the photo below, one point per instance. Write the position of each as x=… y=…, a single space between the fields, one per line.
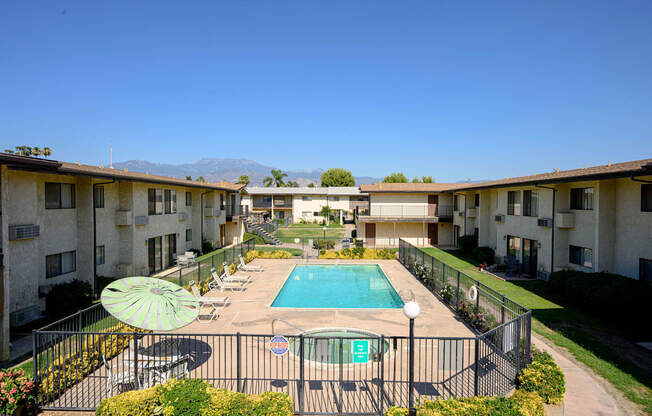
x=149 y=303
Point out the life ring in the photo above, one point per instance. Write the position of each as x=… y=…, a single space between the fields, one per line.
x=473 y=293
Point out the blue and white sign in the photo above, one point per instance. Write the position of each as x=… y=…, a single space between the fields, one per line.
x=279 y=346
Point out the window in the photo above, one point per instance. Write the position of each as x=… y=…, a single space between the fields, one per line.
x=188 y=199
x=645 y=270
x=476 y=233
x=170 y=201
x=477 y=200
x=531 y=203
x=189 y=234
x=513 y=247
x=154 y=201
x=580 y=256
x=58 y=264
x=306 y=214
x=99 y=197
x=59 y=195
x=335 y=198
x=646 y=197
x=582 y=198
x=155 y=254
x=514 y=203
x=99 y=255
x=316 y=214
x=456 y=203
x=306 y=198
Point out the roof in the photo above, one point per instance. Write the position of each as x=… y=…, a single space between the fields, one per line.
x=612 y=170
x=305 y=190
x=409 y=187
x=109 y=173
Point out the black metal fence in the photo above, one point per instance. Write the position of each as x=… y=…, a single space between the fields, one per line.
x=89 y=356
x=200 y=270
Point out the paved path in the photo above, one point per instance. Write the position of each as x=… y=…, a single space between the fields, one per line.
x=584 y=393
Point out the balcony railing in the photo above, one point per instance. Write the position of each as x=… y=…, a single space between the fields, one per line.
x=235 y=211
x=278 y=203
x=407 y=211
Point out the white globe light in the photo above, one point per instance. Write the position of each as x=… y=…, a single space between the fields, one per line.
x=411 y=309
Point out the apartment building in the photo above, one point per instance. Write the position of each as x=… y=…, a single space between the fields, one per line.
x=304 y=202
x=591 y=219
x=62 y=221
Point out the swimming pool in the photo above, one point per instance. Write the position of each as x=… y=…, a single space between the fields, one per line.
x=337 y=286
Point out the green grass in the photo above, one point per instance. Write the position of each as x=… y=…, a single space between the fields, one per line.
x=570 y=328
x=331 y=225
x=309 y=231
x=297 y=252
x=259 y=239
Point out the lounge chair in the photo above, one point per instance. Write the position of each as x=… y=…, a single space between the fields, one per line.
x=176 y=367
x=232 y=276
x=119 y=379
x=216 y=303
x=228 y=279
x=219 y=283
x=249 y=268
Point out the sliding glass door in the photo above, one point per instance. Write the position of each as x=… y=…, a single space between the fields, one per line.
x=155 y=254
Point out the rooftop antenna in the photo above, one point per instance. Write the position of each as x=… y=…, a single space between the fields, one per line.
x=111 y=154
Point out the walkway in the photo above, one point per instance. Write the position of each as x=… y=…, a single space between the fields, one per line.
x=585 y=395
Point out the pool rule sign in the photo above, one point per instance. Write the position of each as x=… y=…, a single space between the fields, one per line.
x=360 y=351
x=279 y=346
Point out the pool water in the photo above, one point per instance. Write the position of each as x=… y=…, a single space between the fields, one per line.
x=323 y=346
x=337 y=286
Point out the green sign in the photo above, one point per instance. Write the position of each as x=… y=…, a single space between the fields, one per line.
x=360 y=351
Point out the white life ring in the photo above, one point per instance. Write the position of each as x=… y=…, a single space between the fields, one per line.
x=473 y=293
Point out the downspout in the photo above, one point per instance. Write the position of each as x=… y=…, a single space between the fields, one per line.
x=95 y=234
x=201 y=214
x=552 y=244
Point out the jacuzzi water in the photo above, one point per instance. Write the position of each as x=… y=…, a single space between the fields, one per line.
x=323 y=346
x=337 y=286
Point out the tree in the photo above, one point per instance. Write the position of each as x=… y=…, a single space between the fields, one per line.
x=292 y=184
x=244 y=179
x=397 y=177
x=36 y=151
x=427 y=179
x=23 y=150
x=201 y=179
x=30 y=151
x=416 y=180
x=188 y=177
x=325 y=212
x=276 y=179
x=311 y=185
x=47 y=152
x=337 y=177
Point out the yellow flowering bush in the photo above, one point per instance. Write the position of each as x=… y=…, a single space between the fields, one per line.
x=544 y=378
x=258 y=254
x=67 y=370
x=474 y=406
x=194 y=398
x=359 y=253
x=531 y=403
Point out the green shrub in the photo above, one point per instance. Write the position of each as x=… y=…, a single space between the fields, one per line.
x=206 y=246
x=354 y=233
x=16 y=391
x=474 y=406
x=485 y=255
x=607 y=296
x=69 y=297
x=467 y=243
x=257 y=239
x=531 y=403
x=323 y=244
x=102 y=282
x=544 y=378
x=195 y=398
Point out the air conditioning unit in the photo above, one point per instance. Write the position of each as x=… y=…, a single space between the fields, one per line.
x=23 y=232
x=500 y=218
x=141 y=220
x=544 y=222
x=209 y=212
x=123 y=218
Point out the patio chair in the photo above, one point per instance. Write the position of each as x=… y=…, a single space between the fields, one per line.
x=248 y=268
x=214 y=283
x=219 y=283
x=176 y=367
x=119 y=379
x=215 y=303
x=232 y=277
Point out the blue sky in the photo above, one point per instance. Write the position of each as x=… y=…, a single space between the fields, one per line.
x=455 y=90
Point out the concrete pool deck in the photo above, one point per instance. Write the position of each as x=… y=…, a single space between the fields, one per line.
x=250 y=313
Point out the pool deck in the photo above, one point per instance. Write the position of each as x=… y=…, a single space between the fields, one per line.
x=250 y=313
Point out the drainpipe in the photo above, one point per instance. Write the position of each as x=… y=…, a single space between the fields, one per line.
x=552 y=244
x=95 y=235
x=201 y=214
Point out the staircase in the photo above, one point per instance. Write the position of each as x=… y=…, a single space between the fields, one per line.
x=259 y=229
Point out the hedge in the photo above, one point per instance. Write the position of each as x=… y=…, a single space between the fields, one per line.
x=258 y=254
x=67 y=298
x=359 y=253
x=611 y=297
x=194 y=398
x=476 y=406
x=544 y=377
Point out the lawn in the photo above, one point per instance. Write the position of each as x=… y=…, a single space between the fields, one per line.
x=309 y=231
x=296 y=252
x=599 y=346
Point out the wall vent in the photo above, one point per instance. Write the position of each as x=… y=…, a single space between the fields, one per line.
x=544 y=222
x=23 y=232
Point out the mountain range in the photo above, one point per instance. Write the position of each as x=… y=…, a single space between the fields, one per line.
x=215 y=169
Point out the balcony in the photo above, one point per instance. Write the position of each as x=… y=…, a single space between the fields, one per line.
x=405 y=213
x=278 y=204
x=234 y=212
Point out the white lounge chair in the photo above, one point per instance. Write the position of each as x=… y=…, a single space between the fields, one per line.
x=232 y=276
x=215 y=303
x=176 y=367
x=218 y=282
x=248 y=268
x=226 y=277
x=119 y=379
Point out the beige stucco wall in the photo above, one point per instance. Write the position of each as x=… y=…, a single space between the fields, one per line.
x=299 y=207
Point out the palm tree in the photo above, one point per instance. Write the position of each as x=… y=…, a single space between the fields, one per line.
x=36 y=151
x=276 y=179
x=188 y=177
x=23 y=150
x=244 y=179
x=47 y=151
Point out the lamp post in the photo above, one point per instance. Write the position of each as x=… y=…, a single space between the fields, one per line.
x=324 y=235
x=411 y=310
